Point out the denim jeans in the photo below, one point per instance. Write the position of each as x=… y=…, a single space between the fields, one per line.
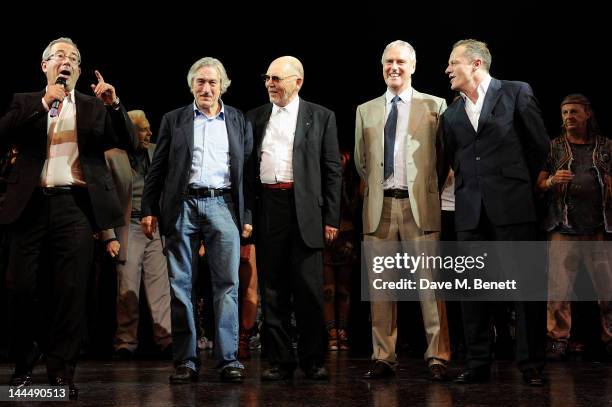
x=212 y=220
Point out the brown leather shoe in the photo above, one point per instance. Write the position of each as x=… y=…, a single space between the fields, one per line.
x=182 y=375
x=332 y=339
x=343 y=342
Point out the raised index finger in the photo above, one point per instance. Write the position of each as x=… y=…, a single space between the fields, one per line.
x=99 y=76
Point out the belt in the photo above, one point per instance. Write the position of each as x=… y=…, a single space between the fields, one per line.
x=280 y=185
x=397 y=193
x=206 y=192
x=52 y=191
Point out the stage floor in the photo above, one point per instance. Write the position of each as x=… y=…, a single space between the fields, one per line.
x=145 y=383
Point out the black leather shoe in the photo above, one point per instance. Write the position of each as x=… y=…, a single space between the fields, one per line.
x=183 y=374
x=533 y=377
x=438 y=373
x=276 y=373
x=21 y=379
x=316 y=372
x=232 y=374
x=73 y=391
x=380 y=370
x=473 y=376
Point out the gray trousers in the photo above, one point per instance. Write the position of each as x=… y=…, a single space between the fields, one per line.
x=145 y=260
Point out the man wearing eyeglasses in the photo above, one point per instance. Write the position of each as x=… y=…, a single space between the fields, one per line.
x=395 y=154
x=197 y=170
x=297 y=182
x=59 y=193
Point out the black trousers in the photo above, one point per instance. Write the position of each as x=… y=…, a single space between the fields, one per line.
x=289 y=273
x=530 y=315
x=60 y=226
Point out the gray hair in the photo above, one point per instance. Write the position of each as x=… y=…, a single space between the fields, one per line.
x=476 y=49
x=399 y=43
x=215 y=63
x=62 y=40
x=137 y=116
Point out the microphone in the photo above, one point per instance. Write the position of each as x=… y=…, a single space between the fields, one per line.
x=55 y=105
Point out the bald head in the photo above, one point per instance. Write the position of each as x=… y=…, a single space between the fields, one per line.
x=286 y=77
x=290 y=65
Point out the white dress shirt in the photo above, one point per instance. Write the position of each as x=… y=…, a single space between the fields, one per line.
x=276 y=163
x=62 y=166
x=473 y=109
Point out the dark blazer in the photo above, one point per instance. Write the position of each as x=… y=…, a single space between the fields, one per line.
x=498 y=164
x=171 y=166
x=317 y=173
x=98 y=129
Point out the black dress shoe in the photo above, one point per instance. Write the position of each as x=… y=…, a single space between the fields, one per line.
x=183 y=374
x=438 y=373
x=73 y=391
x=21 y=379
x=473 y=376
x=232 y=374
x=316 y=372
x=380 y=370
x=533 y=377
x=276 y=373
x=123 y=354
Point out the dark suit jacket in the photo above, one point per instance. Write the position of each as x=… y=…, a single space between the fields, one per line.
x=317 y=173
x=171 y=166
x=498 y=164
x=98 y=129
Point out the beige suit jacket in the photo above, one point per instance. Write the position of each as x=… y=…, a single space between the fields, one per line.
x=425 y=113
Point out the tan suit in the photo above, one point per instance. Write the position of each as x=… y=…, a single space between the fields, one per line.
x=389 y=218
x=139 y=258
x=119 y=164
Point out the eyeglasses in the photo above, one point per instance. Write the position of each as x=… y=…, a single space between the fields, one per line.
x=274 y=78
x=60 y=55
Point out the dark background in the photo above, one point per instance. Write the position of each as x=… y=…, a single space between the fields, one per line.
x=558 y=50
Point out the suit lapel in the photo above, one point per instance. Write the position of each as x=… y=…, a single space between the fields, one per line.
x=83 y=114
x=376 y=115
x=41 y=123
x=417 y=110
x=463 y=121
x=233 y=136
x=261 y=121
x=490 y=101
x=304 y=122
x=185 y=126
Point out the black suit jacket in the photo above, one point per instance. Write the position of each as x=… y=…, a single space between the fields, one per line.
x=497 y=165
x=317 y=173
x=168 y=176
x=98 y=129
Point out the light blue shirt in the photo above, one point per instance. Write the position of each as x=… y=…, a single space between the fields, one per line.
x=211 y=158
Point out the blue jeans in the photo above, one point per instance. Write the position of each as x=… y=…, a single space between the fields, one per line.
x=213 y=220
